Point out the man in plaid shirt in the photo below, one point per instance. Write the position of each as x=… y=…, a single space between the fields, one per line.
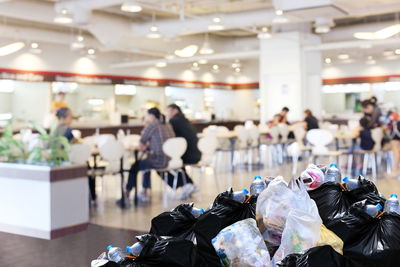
x=153 y=137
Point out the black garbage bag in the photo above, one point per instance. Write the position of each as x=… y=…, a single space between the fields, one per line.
x=224 y=212
x=324 y=256
x=333 y=200
x=175 y=222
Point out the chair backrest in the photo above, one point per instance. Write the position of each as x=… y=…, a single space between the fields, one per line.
x=294 y=149
x=111 y=150
x=299 y=133
x=249 y=124
x=377 y=136
x=131 y=140
x=283 y=131
x=254 y=135
x=222 y=130
x=210 y=130
x=77 y=134
x=174 y=148
x=263 y=128
x=207 y=146
x=103 y=138
x=274 y=133
x=319 y=137
x=242 y=136
x=79 y=153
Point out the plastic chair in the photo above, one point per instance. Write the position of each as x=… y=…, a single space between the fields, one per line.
x=207 y=146
x=319 y=139
x=294 y=151
x=77 y=134
x=370 y=157
x=80 y=153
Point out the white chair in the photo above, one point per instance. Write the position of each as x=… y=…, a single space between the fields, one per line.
x=104 y=138
x=294 y=151
x=274 y=148
x=80 y=153
x=370 y=157
x=77 y=134
x=254 y=137
x=207 y=146
x=320 y=139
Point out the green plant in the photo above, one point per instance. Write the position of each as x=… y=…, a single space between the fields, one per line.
x=53 y=149
x=11 y=149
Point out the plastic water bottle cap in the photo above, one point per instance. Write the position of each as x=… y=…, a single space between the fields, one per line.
x=345 y=179
x=379 y=206
x=109 y=247
x=245 y=191
x=128 y=249
x=333 y=165
x=257 y=177
x=202 y=210
x=394 y=195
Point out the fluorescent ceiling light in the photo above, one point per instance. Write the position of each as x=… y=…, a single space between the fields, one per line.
x=34 y=45
x=237 y=70
x=203 y=61
x=279 y=12
x=161 y=64
x=125 y=89
x=62 y=18
x=77 y=45
x=11 y=48
x=95 y=101
x=131 y=6
x=188 y=51
x=385 y=33
x=80 y=38
x=215 y=68
x=216 y=27
x=397 y=51
x=195 y=66
x=343 y=56
x=6 y=86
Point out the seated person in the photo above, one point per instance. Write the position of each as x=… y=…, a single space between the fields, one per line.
x=155 y=133
x=310 y=122
x=64 y=116
x=366 y=141
x=183 y=128
x=275 y=120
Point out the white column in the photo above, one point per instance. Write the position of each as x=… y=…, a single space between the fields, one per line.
x=289 y=76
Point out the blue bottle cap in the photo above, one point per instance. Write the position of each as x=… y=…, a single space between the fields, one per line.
x=345 y=179
x=202 y=210
x=257 y=177
x=394 y=195
x=333 y=165
x=128 y=250
x=245 y=191
x=109 y=247
x=379 y=206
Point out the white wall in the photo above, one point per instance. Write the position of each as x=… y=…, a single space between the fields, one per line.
x=144 y=94
x=5 y=102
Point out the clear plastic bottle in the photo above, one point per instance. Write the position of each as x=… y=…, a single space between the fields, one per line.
x=392 y=204
x=197 y=212
x=333 y=174
x=373 y=210
x=351 y=184
x=240 y=196
x=115 y=254
x=257 y=186
x=135 y=249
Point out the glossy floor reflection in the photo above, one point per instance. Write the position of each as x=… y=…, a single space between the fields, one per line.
x=138 y=218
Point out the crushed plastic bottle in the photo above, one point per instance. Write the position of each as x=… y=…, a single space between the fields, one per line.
x=257 y=186
x=240 y=196
x=135 y=249
x=115 y=254
x=373 y=210
x=312 y=177
x=392 y=204
x=350 y=184
x=197 y=212
x=333 y=174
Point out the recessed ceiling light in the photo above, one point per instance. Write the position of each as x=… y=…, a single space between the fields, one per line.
x=279 y=12
x=216 y=19
x=154 y=33
x=161 y=64
x=397 y=51
x=382 y=34
x=187 y=51
x=195 y=64
x=328 y=60
x=131 y=6
x=237 y=70
x=343 y=56
x=11 y=48
x=203 y=61
x=216 y=27
x=91 y=51
x=63 y=17
x=80 y=38
x=280 y=19
x=34 y=45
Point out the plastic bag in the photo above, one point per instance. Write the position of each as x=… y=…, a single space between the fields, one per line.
x=327 y=237
x=175 y=222
x=333 y=200
x=225 y=211
x=312 y=177
x=324 y=256
x=241 y=245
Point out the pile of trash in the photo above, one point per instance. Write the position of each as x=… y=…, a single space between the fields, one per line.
x=318 y=219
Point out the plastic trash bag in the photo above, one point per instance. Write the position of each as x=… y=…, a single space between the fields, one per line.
x=369 y=241
x=333 y=200
x=312 y=177
x=324 y=256
x=241 y=245
x=175 y=222
x=327 y=237
x=224 y=212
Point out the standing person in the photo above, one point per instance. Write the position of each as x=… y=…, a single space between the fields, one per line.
x=183 y=128
x=64 y=116
x=155 y=133
x=311 y=122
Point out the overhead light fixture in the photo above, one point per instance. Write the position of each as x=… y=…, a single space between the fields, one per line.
x=264 y=34
x=215 y=68
x=169 y=57
x=216 y=19
x=195 y=66
x=237 y=70
x=34 y=45
x=131 y=6
x=280 y=19
x=279 y=12
x=323 y=25
x=206 y=48
x=328 y=60
x=343 y=56
x=236 y=64
x=63 y=17
x=397 y=51
x=80 y=38
x=382 y=34
x=161 y=64
x=11 y=48
x=217 y=24
x=187 y=51
x=388 y=53
x=203 y=61
x=91 y=51
x=154 y=32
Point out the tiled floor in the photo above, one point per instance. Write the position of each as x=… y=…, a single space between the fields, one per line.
x=139 y=218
